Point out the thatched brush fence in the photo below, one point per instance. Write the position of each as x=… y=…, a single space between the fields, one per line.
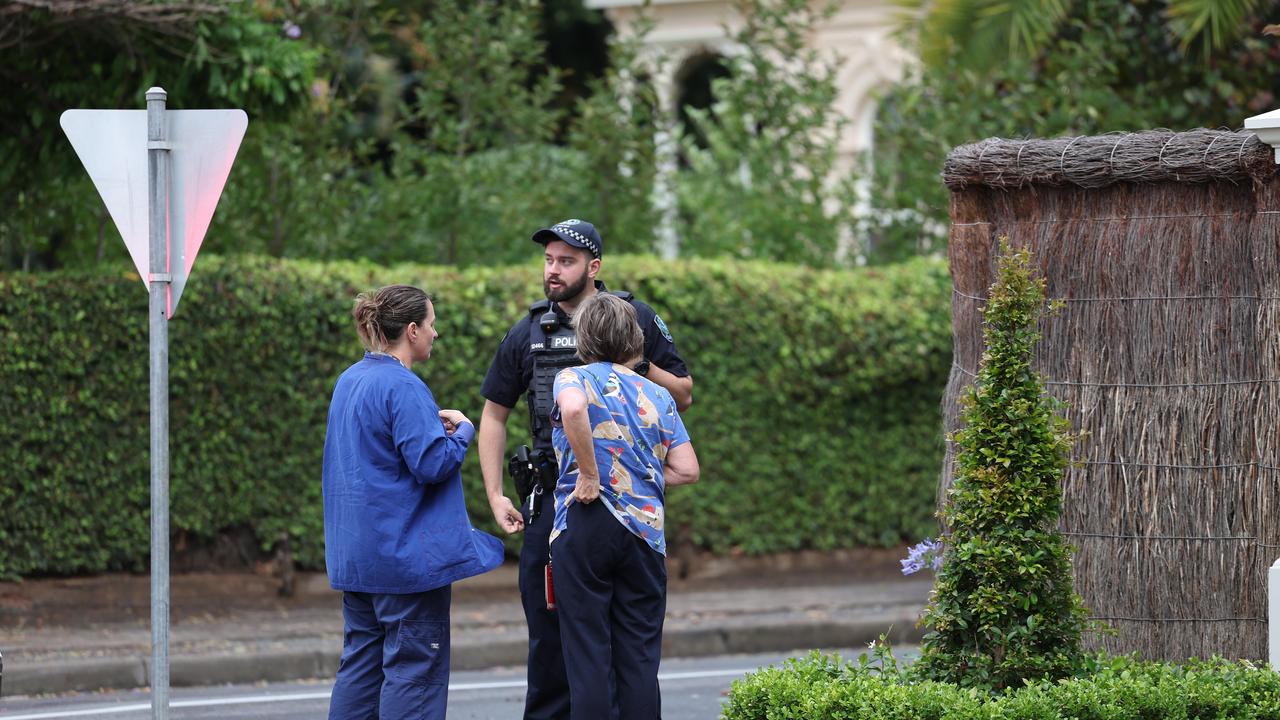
x=1165 y=248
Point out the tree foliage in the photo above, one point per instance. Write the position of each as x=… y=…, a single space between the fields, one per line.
x=475 y=94
x=383 y=129
x=1110 y=65
x=103 y=54
x=984 y=34
x=763 y=178
x=614 y=130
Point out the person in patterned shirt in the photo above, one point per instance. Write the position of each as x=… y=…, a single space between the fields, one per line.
x=620 y=443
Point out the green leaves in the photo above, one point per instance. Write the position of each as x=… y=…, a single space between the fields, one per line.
x=1211 y=24
x=1004 y=610
x=825 y=686
x=389 y=131
x=763 y=180
x=1110 y=65
x=259 y=342
x=984 y=33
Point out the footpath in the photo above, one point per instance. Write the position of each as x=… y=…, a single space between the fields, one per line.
x=91 y=633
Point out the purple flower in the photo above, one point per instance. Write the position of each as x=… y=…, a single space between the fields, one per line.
x=927 y=553
x=291 y=30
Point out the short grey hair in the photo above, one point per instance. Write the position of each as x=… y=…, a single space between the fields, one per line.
x=607 y=330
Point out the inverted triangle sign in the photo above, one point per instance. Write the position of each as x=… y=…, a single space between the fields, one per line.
x=112 y=144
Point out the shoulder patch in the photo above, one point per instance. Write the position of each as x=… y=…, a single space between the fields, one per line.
x=662 y=327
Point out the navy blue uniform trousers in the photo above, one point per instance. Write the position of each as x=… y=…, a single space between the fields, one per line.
x=611 y=594
x=395 y=657
x=547 y=697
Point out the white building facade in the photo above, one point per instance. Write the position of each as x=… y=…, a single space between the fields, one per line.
x=689 y=32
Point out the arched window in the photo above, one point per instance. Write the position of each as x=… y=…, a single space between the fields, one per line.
x=693 y=88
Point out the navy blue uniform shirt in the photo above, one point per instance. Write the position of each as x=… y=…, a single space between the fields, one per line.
x=512 y=368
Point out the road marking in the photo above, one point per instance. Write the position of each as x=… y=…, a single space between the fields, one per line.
x=291 y=697
x=139 y=707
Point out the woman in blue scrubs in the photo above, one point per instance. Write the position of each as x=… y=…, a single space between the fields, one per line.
x=396 y=529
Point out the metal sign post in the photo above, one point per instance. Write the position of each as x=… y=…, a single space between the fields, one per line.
x=169 y=167
x=158 y=311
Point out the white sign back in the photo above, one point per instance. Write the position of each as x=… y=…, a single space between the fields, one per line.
x=112 y=144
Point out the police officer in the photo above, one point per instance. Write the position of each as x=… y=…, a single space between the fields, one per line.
x=539 y=345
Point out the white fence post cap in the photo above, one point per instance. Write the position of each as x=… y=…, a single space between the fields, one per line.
x=1267 y=127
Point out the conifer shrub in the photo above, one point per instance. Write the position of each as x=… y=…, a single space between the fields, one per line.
x=1003 y=609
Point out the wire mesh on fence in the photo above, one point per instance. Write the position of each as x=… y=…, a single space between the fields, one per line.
x=1165 y=248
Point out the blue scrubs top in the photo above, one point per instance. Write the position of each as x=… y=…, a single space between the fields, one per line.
x=394 y=517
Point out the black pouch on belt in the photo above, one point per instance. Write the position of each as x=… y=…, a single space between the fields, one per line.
x=545 y=471
x=522 y=471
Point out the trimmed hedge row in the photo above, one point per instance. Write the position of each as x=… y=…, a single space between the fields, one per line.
x=1119 y=689
x=816 y=412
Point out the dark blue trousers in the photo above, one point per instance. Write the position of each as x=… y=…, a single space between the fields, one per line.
x=611 y=593
x=395 y=657
x=547 y=697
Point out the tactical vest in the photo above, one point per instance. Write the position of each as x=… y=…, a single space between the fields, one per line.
x=551 y=354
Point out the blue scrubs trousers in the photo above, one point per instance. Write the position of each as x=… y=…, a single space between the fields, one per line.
x=611 y=594
x=547 y=697
x=395 y=657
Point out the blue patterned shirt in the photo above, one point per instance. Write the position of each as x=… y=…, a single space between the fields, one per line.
x=634 y=424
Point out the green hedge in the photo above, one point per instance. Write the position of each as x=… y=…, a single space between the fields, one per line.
x=816 y=411
x=1118 y=689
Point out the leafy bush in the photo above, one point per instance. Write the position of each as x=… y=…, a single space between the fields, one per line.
x=284 y=200
x=1117 y=688
x=1003 y=608
x=816 y=411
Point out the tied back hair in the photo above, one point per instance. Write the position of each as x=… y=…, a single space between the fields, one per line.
x=382 y=315
x=607 y=329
